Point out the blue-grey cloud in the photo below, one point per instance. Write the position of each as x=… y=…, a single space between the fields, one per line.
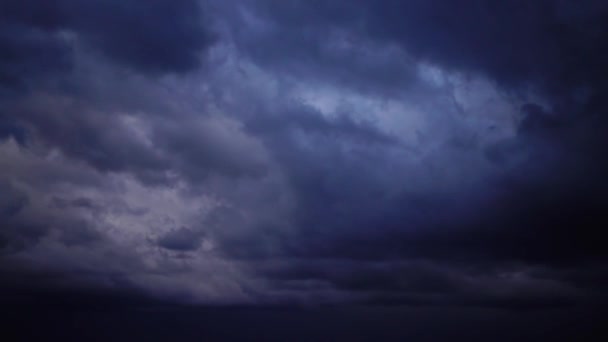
x=326 y=152
x=182 y=239
x=150 y=36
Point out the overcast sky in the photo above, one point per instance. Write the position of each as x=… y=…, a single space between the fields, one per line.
x=421 y=153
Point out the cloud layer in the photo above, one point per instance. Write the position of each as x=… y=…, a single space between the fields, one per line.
x=419 y=153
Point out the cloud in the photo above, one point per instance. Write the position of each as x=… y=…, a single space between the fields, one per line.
x=151 y=36
x=31 y=55
x=182 y=239
x=12 y=200
x=423 y=153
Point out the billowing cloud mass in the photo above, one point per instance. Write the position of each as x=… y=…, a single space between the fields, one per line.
x=385 y=153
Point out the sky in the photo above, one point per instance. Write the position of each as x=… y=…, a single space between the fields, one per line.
x=441 y=157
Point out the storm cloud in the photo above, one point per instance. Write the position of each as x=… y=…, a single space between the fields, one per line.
x=419 y=154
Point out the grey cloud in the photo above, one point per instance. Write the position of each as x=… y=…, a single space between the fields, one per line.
x=15 y=230
x=152 y=148
x=313 y=41
x=154 y=36
x=423 y=283
x=516 y=45
x=552 y=45
x=349 y=211
x=12 y=200
x=80 y=202
x=150 y=36
x=181 y=239
x=30 y=55
x=98 y=138
x=215 y=146
x=11 y=130
x=293 y=118
x=40 y=43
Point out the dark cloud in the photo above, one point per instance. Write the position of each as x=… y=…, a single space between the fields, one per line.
x=151 y=36
x=543 y=206
x=12 y=200
x=30 y=54
x=294 y=118
x=335 y=153
x=547 y=209
x=181 y=239
x=212 y=147
x=554 y=46
x=12 y=130
x=315 y=41
x=23 y=225
x=539 y=207
x=81 y=202
x=104 y=140
x=39 y=43
x=155 y=36
x=97 y=138
x=16 y=232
